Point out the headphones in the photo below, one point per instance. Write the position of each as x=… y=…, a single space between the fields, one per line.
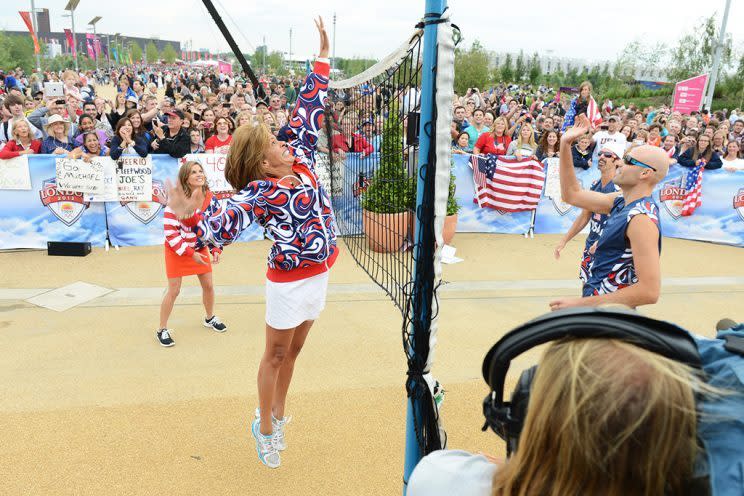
x=506 y=418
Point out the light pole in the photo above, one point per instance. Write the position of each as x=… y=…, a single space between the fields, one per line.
x=290 y=49
x=93 y=22
x=717 y=58
x=35 y=27
x=263 y=65
x=71 y=6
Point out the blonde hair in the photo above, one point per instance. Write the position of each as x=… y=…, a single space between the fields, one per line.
x=503 y=120
x=70 y=73
x=244 y=113
x=28 y=126
x=531 y=141
x=605 y=417
x=183 y=177
x=588 y=85
x=247 y=151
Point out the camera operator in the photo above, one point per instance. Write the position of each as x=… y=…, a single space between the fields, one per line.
x=599 y=422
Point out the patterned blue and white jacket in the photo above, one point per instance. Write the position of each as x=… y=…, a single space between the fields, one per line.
x=300 y=219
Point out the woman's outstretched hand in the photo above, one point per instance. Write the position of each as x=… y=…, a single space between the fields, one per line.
x=324 y=43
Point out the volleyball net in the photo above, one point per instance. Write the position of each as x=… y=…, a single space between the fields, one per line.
x=387 y=168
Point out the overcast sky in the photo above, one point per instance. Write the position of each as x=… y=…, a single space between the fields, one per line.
x=588 y=29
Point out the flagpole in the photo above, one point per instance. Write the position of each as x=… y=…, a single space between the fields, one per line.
x=34 y=25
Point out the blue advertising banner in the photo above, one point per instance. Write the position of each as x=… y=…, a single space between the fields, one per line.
x=720 y=218
x=30 y=218
x=471 y=217
x=140 y=223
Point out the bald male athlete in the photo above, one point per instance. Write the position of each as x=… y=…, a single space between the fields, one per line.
x=626 y=268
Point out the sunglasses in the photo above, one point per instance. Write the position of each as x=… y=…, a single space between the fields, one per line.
x=607 y=155
x=631 y=161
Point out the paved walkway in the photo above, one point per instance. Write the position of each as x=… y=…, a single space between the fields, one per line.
x=90 y=404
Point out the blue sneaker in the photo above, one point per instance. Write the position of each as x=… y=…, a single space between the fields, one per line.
x=267 y=453
x=278 y=427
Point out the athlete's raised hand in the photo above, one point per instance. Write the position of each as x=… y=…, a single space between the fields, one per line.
x=325 y=45
x=580 y=128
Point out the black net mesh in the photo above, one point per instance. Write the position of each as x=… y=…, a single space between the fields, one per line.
x=371 y=170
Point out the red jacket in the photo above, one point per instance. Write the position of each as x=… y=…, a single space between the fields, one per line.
x=12 y=148
x=359 y=142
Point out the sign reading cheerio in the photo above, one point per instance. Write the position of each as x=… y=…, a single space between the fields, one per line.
x=134 y=179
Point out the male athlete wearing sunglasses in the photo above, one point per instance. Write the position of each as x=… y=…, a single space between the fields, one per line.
x=626 y=267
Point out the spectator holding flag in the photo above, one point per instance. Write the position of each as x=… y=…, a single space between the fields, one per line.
x=626 y=267
x=583 y=104
x=702 y=152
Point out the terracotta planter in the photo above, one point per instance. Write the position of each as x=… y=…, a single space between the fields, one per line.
x=450 y=226
x=385 y=232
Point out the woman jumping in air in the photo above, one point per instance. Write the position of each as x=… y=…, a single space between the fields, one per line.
x=278 y=187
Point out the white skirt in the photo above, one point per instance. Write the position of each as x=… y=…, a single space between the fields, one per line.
x=289 y=304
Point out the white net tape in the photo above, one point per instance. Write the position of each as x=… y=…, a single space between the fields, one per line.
x=391 y=60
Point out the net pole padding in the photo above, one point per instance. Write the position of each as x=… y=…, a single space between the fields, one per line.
x=419 y=396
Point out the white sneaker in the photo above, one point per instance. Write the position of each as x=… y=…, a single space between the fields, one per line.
x=278 y=426
x=267 y=453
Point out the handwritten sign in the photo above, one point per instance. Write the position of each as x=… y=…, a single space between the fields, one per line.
x=134 y=179
x=14 y=173
x=110 y=191
x=79 y=176
x=214 y=168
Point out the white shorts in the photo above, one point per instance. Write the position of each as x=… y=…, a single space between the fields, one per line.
x=289 y=304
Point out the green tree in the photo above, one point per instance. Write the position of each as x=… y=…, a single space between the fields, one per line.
x=169 y=54
x=471 y=68
x=136 y=51
x=353 y=66
x=507 y=71
x=519 y=68
x=17 y=51
x=535 y=69
x=257 y=60
x=694 y=51
x=275 y=63
x=151 y=52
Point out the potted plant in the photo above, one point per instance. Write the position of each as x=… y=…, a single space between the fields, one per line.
x=388 y=201
x=450 y=221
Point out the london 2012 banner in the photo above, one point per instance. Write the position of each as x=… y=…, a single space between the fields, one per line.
x=720 y=217
x=38 y=212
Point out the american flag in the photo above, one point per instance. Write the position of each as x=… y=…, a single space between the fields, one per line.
x=592 y=111
x=507 y=184
x=694 y=187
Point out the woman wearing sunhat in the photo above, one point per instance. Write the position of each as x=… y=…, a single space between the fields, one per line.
x=57 y=141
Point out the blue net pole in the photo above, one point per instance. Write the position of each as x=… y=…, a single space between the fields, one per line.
x=422 y=252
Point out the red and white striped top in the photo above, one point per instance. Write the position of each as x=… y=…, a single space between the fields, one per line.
x=179 y=237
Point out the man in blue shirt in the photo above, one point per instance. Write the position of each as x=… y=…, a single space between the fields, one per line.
x=626 y=268
x=610 y=157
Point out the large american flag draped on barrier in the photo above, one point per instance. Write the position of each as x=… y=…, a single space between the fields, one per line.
x=694 y=187
x=507 y=184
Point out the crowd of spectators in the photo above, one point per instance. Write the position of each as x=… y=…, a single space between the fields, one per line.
x=526 y=121
x=181 y=110
x=156 y=110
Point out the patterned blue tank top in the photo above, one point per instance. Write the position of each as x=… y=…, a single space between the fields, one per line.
x=613 y=267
